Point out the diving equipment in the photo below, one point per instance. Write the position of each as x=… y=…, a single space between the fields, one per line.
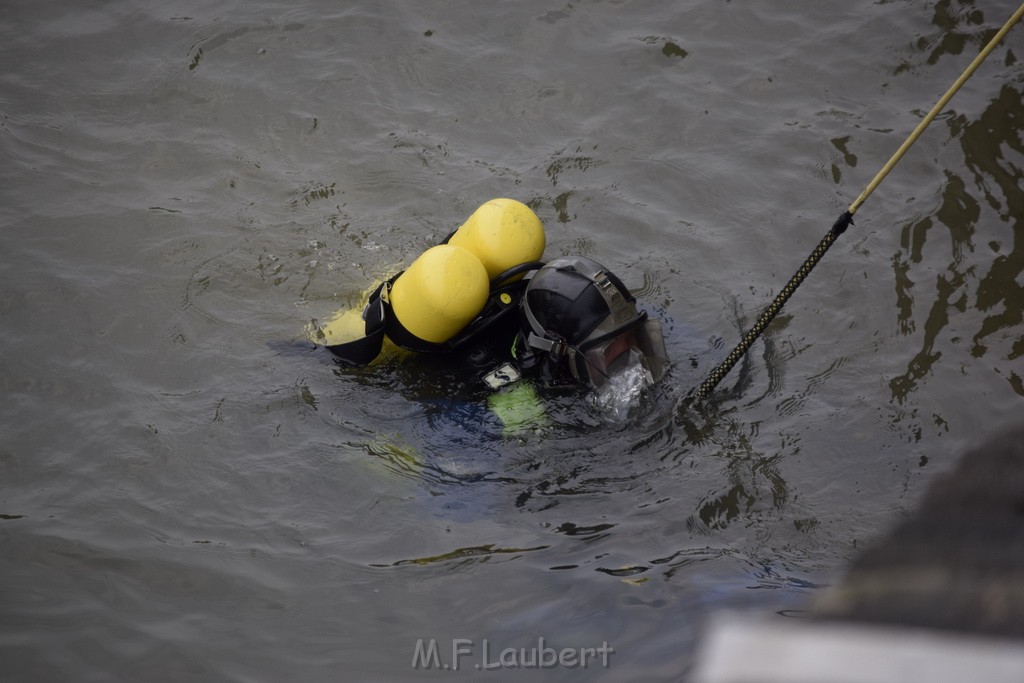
x=455 y=291
x=579 y=323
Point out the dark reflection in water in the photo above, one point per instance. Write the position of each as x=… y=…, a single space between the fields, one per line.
x=997 y=292
x=752 y=485
x=958 y=22
x=465 y=556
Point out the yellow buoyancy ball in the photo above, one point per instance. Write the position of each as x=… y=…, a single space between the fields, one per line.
x=502 y=233
x=440 y=293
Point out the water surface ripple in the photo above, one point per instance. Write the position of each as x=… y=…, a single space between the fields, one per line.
x=186 y=185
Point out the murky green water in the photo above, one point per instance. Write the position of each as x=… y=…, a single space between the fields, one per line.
x=184 y=183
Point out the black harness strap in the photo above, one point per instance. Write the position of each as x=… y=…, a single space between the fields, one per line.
x=363 y=350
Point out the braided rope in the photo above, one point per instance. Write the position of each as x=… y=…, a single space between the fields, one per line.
x=766 y=317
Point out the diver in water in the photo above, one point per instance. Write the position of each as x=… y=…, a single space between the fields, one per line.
x=483 y=299
x=490 y=340
x=481 y=303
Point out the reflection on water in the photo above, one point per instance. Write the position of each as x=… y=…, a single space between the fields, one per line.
x=965 y=285
x=465 y=556
x=956 y=18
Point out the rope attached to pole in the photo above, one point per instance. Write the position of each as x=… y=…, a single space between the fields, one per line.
x=845 y=219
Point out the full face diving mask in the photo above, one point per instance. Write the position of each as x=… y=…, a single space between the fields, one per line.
x=580 y=324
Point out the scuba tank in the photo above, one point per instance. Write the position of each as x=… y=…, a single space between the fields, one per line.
x=453 y=292
x=439 y=294
x=502 y=233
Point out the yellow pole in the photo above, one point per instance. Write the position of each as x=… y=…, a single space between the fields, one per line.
x=939 y=106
